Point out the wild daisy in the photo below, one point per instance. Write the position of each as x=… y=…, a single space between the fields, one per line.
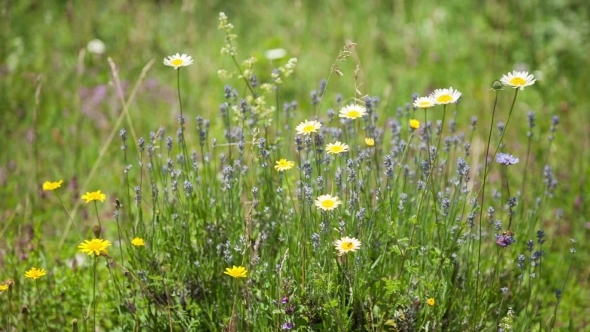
x=352 y=111
x=94 y=196
x=3 y=287
x=178 y=60
x=337 y=148
x=327 y=202
x=35 y=273
x=284 y=165
x=94 y=246
x=346 y=244
x=308 y=127
x=424 y=102
x=138 y=242
x=430 y=301
x=518 y=79
x=414 y=124
x=236 y=271
x=369 y=141
x=445 y=96
x=52 y=185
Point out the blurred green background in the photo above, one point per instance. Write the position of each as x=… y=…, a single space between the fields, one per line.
x=58 y=102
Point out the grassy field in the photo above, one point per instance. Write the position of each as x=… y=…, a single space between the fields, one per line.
x=432 y=218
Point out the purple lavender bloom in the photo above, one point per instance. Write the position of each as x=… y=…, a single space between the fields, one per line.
x=504 y=240
x=506 y=159
x=287 y=326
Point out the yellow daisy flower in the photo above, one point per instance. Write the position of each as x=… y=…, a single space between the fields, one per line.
x=308 y=127
x=284 y=165
x=94 y=246
x=3 y=287
x=346 y=244
x=236 y=271
x=352 y=111
x=446 y=96
x=178 y=60
x=369 y=141
x=430 y=301
x=35 y=273
x=518 y=79
x=52 y=185
x=414 y=124
x=94 y=196
x=424 y=102
x=337 y=148
x=138 y=242
x=327 y=202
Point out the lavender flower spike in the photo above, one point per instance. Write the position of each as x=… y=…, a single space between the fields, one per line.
x=506 y=159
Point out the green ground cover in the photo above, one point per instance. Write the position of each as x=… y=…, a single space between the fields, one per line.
x=426 y=224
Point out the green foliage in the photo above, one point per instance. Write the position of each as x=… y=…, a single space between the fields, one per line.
x=426 y=230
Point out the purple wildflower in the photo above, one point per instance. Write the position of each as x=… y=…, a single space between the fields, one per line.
x=287 y=326
x=285 y=300
x=506 y=159
x=504 y=240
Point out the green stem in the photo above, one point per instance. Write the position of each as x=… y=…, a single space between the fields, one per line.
x=94 y=293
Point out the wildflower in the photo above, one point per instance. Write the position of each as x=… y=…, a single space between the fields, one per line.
x=352 y=111
x=287 y=326
x=445 y=96
x=94 y=246
x=506 y=159
x=369 y=141
x=346 y=244
x=414 y=124
x=424 y=102
x=236 y=271
x=3 y=287
x=337 y=148
x=35 y=273
x=178 y=60
x=138 y=242
x=518 y=79
x=52 y=185
x=430 y=302
x=96 y=46
x=327 y=202
x=94 y=196
x=275 y=54
x=308 y=127
x=284 y=165
x=505 y=239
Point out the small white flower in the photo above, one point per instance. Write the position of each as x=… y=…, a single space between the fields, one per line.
x=96 y=46
x=352 y=111
x=275 y=54
x=518 y=79
x=178 y=60
x=446 y=96
x=308 y=127
x=424 y=102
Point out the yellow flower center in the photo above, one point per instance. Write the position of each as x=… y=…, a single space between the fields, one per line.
x=347 y=245
x=308 y=128
x=353 y=114
x=444 y=98
x=336 y=149
x=424 y=103
x=517 y=81
x=177 y=62
x=328 y=203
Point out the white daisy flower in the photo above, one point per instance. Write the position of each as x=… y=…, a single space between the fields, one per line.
x=178 y=60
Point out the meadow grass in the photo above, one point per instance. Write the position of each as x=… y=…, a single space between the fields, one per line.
x=187 y=160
